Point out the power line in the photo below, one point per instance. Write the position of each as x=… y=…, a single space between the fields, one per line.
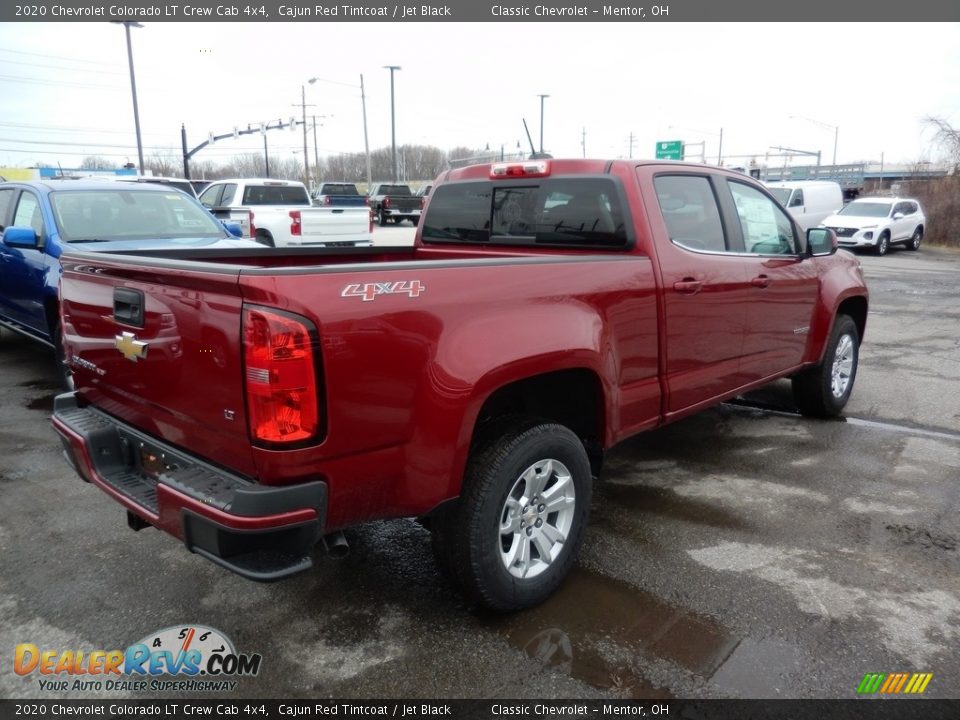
x=57 y=57
x=60 y=67
x=59 y=83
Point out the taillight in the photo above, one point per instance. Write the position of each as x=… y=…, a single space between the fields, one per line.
x=253 y=229
x=295 y=225
x=326 y=199
x=283 y=398
x=386 y=201
x=372 y=218
x=535 y=168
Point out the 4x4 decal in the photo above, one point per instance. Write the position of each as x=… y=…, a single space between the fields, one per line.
x=370 y=291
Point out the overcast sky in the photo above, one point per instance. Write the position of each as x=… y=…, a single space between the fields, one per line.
x=66 y=89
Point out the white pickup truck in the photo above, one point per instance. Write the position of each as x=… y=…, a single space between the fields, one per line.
x=282 y=214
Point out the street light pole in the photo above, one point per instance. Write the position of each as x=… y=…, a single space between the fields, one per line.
x=306 y=159
x=127 y=24
x=393 y=120
x=542 y=98
x=366 y=141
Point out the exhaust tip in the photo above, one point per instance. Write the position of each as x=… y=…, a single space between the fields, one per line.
x=336 y=545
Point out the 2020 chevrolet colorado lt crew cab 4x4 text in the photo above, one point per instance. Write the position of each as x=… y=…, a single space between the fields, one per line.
x=547 y=310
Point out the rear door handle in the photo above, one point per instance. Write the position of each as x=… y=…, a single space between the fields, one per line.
x=760 y=281
x=688 y=286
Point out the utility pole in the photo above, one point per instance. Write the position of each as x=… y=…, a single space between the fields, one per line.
x=266 y=156
x=631 y=144
x=393 y=120
x=720 y=150
x=583 y=141
x=366 y=141
x=316 y=152
x=127 y=24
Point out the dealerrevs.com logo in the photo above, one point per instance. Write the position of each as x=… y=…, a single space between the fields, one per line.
x=183 y=658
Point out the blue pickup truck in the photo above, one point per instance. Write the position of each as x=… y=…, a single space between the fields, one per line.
x=40 y=219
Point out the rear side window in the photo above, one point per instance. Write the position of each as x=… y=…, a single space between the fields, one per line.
x=211 y=196
x=275 y=195
x=577 y=212
x=690 y=212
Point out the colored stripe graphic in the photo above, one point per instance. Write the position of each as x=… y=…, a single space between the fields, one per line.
x=894 y=683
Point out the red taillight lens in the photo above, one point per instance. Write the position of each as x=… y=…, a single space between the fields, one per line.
x=253 y=229
x=326 y=199
x=386 y=201
x=283 y=401
x=295 y=226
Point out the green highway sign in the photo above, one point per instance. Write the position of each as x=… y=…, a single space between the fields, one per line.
x=669 y=150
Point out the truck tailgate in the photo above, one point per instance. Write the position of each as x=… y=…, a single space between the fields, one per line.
x=161 y=350
x=334 y=224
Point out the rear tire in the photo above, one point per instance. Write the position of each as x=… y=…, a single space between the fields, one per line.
x=519 y=522
x=824 y=390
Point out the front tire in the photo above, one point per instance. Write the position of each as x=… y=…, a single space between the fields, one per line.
x=519 y=522
x=824 y=390
x=883 y=244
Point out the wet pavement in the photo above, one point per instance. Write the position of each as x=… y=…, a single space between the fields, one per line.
x=743 y=552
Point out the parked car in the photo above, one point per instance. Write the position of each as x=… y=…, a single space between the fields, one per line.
x=809 y=201
x=40 y=220
x=283 y=214
x=179 y=183
x=548 y=310
x=878 y=223
x=339 y=195
x=396 y=203
x=424 y=191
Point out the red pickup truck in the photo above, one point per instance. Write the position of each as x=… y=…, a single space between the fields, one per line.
x=253 y=403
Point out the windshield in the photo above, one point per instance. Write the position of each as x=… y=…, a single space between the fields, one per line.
x=130 y=215
x=781 y=194
x=866 y=209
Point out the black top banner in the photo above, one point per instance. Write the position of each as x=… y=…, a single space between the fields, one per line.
x=482 y=11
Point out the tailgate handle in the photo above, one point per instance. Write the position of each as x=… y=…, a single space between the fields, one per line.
x=128 y=306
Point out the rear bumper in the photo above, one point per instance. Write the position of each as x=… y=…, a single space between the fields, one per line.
x=261 y=533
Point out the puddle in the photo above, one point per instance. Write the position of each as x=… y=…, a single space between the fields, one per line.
x=597 y=630
x=666 y=502
x=759 y=669
x=44 y=402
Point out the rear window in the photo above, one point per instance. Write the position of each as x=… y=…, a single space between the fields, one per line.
x=330 y=189
x=275 y=195
x=580 y=212
x=395 y=190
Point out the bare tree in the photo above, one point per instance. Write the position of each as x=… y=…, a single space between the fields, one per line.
x=96 y=162
x=947 y=137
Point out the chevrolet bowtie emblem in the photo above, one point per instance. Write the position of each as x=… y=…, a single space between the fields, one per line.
x=131 y=348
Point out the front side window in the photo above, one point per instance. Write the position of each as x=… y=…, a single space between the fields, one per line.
x=28 y=213
x=6 y=197
x=690 y=212
x=797 y=199
x=766 y=228
x=229 y=191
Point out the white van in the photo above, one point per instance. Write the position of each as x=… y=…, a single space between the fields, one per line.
x=809 y=201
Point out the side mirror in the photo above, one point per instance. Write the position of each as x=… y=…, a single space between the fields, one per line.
x=898 y=216
x=234 y=229
x=821 y=241
x=20 y=237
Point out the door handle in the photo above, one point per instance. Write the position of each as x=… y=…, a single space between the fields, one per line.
x=760 y=281
x=688 y=286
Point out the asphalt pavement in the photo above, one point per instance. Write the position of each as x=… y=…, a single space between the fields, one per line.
x=744 y=552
